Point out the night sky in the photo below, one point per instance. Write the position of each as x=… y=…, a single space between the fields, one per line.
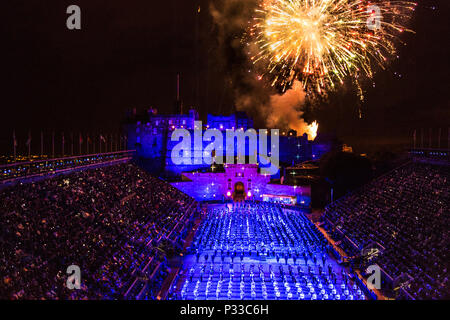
x=129 y=52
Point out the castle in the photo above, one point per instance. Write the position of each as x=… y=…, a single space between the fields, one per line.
x=150 y=135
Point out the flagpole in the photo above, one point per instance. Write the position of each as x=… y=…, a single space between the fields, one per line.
x=29 y=145
x=42 y=144
x=421 y=138
x=15 y=144
x=71 y=143
x=439 y=138
x=429 y=138
x=53 y=144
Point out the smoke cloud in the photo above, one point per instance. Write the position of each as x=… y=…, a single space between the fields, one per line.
x=284 y=110
x=251 y=93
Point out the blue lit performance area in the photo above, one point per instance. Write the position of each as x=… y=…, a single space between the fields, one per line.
x=210 y=151
x=261 y=251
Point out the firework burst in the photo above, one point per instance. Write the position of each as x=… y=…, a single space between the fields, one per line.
x=321 y=42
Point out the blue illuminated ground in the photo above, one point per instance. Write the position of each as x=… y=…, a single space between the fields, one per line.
x=261 y=251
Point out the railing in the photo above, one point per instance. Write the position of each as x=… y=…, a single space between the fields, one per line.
x=406 y=293
x=23 y=170
x=164 y=292
x=430 y=154
x=182 y=221
x=145 y=288
x=349 y=241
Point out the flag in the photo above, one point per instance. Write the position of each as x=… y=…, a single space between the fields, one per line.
x=53 y=144
x=421 y=138
x=15 y=145
x=439 y=138
x=102 y=139
x=80 y=142
x=29 y=144
x=29 y=139
x=71 y=143
x=14 y=139
x=429 y=138
x=448 y=138
x=63 y=142
x=88 y=141
x=42 y=143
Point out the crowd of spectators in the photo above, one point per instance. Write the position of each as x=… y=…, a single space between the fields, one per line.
x=405 y=215
x=109 y=221
x=44 y=168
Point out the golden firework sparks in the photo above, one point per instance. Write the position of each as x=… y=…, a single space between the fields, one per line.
x=320 y=42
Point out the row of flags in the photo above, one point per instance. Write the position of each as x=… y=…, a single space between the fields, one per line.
x=430 y=139
x=81 y=140
x=102 y=139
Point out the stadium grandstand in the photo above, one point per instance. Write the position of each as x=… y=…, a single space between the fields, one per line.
x=400 y=223
x=116 y=222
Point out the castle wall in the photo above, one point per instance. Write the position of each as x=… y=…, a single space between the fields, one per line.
x=212 y=186
x=153 y=144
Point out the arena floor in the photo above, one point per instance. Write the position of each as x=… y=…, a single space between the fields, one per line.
x=260 y=251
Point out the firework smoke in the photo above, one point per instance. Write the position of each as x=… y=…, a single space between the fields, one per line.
x=271 y=45
x=284 y=110
x=252 y=94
